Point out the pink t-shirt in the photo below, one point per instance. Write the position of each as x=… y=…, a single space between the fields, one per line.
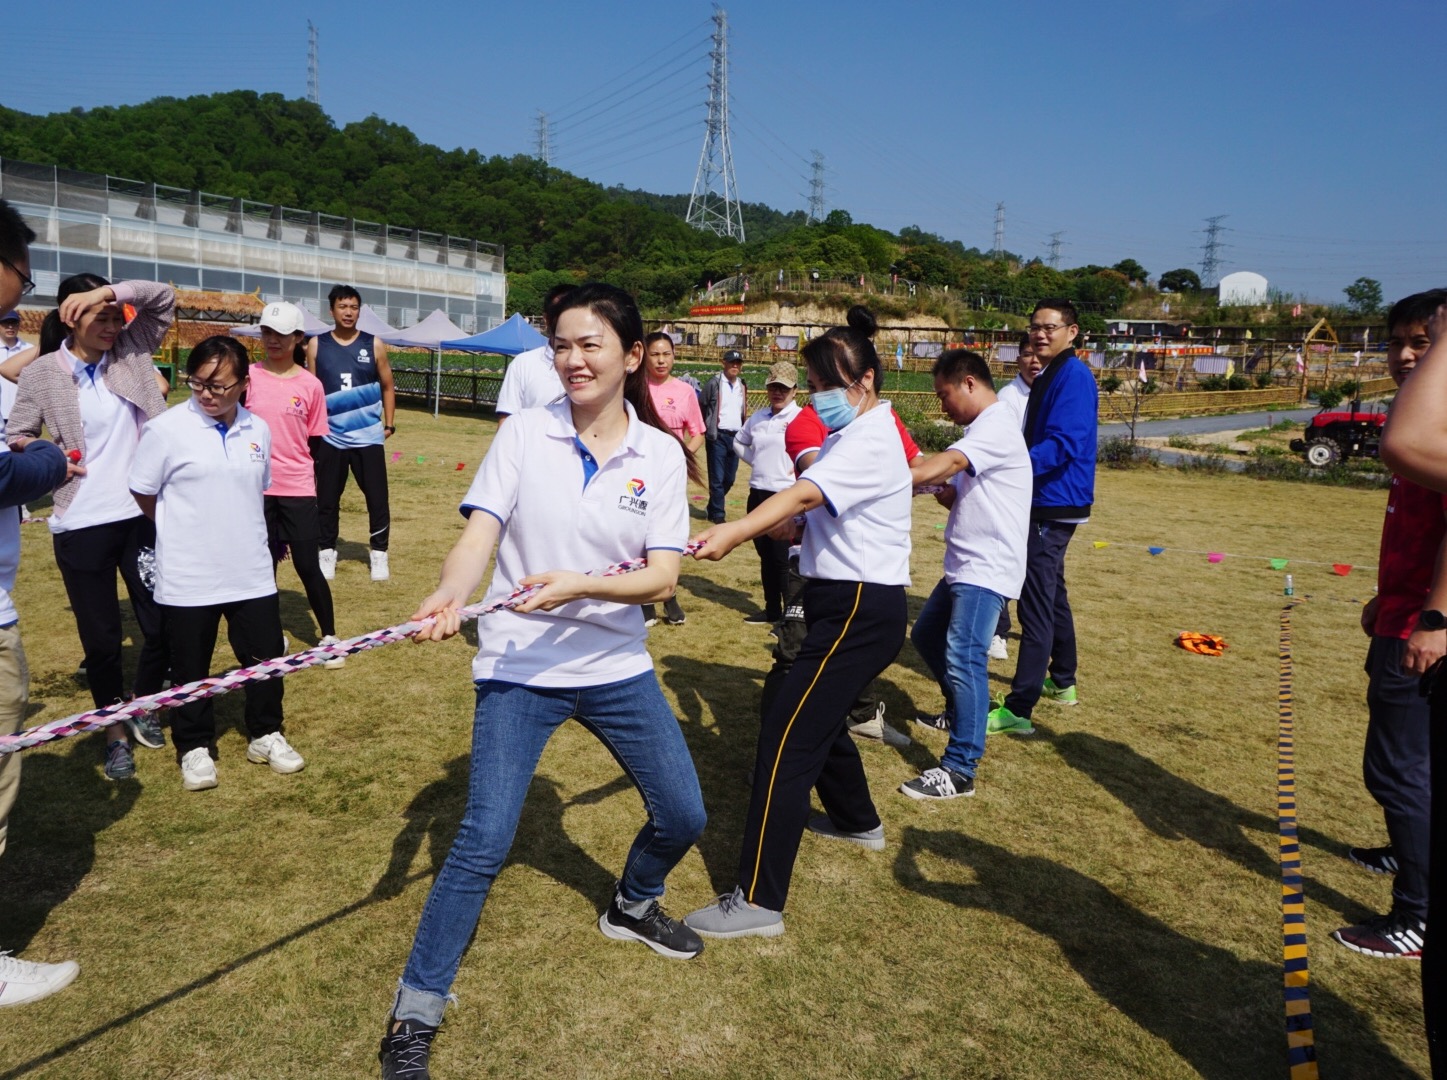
x=677 y=406
x=295 y=409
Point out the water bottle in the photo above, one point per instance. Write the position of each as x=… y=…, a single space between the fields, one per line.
x=1290 y=589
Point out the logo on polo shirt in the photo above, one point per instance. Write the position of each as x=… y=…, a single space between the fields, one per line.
x=256 y=454
x=294 y=406
x=633 y=501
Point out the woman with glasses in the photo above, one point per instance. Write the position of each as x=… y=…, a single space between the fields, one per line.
x=199 y=472
x=93 y=388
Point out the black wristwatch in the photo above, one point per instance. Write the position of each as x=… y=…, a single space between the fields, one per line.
x=390 y=428
x=1431 y=620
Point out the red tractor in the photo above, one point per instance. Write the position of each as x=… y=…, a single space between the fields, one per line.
x=1334 y=436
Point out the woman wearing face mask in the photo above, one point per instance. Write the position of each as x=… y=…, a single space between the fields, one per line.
x=199 y=473
x=92 y=388
x=290 y=399
x=855 y=559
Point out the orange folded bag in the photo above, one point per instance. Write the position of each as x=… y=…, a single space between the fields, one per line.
x=1205 y=644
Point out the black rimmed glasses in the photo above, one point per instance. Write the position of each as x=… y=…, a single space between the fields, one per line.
x=214 y=389
x=27 y=283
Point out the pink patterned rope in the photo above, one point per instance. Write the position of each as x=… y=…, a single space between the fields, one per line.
x=271 y=669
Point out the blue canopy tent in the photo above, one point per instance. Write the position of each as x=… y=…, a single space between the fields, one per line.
x=512 y=337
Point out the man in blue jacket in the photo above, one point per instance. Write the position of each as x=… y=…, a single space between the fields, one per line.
x=39 y=467
x=1060 y=424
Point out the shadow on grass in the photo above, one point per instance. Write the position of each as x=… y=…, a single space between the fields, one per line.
x=64 y=802
x=725 y=595
x=1177 y=809
x=541 y=841
x=296 y=619
x=1222 y=1015
x=181 y=992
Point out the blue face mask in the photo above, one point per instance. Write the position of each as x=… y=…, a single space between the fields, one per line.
x=833 y=407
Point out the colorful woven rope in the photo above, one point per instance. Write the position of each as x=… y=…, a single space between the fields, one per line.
x=269 y=669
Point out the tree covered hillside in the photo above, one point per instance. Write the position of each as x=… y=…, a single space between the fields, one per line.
x=553 y=225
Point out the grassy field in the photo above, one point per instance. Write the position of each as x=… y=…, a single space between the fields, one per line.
x=1107 y=906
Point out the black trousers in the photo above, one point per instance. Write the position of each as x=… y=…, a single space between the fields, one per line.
x=1396 y=765
x=793 y=629
x=88 y=560
x=369 y=465
x=293 y=520
x=1434 y=951
x=773 y=562
x=855 y=632
x=1047 y=626
x=253 y=627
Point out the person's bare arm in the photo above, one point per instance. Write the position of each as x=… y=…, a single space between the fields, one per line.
x=937 y=468
x=147 y=503
x=462 y=572
x=14 y=365
x=774 y=511
x=389 y=392
x=311 y=355
x=1426 y=647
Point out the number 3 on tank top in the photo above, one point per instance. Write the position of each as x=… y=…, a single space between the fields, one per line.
x=346 y=377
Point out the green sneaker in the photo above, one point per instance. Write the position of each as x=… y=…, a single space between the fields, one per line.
x=1051 y=692
x=1003 y=720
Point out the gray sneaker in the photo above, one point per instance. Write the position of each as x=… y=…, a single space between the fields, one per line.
x=120 y=762
x=146 y=730
x=877 y=730
x=873 y=839
x=731 y=916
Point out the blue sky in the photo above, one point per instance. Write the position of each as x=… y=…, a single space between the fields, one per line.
x=1315 y=127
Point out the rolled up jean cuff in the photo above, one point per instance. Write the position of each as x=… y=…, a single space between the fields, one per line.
x=419 y=1005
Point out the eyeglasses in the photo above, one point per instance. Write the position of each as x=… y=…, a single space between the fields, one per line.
x=1047 y=328
x=27 y=283
x=214 y=389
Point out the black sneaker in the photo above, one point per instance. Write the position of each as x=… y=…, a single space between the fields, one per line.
x=405 y=1050
x=759 y=618
x=938 y=721
x=1376 y=860
x=1391 y=936
x=939 y=784
x=665 y=936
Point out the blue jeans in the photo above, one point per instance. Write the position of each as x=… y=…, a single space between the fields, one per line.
x=511 y=726
x=723 y=467
x=952 y=635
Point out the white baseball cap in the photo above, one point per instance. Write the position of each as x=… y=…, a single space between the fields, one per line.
x=282 y=317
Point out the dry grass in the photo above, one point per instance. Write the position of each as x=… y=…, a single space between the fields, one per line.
x=1108 y=906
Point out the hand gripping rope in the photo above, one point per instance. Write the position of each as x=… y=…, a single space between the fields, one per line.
x=271 y=669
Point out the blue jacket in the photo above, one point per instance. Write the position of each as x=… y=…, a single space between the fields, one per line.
x=36 y=470
x=1060 y=425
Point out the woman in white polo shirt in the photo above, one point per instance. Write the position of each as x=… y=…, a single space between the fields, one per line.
x=760 y=444
x=200 y=471
x=571 y=487
x=855 y=561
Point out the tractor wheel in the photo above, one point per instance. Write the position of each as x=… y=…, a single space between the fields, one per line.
x=1322 y=452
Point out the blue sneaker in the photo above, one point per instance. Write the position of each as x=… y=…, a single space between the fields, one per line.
x=120 y=762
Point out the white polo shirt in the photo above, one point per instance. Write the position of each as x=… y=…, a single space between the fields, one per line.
x=210 y=527
x=533 y=481
x=1015 y=395
x=731 y=404
x=861 y=533
x=529 y=382
x=760 y=442
x=111 y=425
x=989 y=524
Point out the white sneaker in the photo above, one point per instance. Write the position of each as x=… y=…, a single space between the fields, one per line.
x=327 y=557
x=877 y=730
x=335 y=662
x=998 y=651
x=198 y=771
x=25 y=980
x=275 y=751
x=379 y=566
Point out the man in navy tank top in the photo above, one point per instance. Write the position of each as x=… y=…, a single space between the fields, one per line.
x=361 y=404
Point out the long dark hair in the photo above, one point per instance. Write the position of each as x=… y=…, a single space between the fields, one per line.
x=616 y=308
x=53 y=332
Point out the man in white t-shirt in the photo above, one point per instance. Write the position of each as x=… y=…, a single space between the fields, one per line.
x=990 y=484
x=1016 y=395
x=531 y=380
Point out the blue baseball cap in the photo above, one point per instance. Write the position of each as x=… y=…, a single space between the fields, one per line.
x=10 y=316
